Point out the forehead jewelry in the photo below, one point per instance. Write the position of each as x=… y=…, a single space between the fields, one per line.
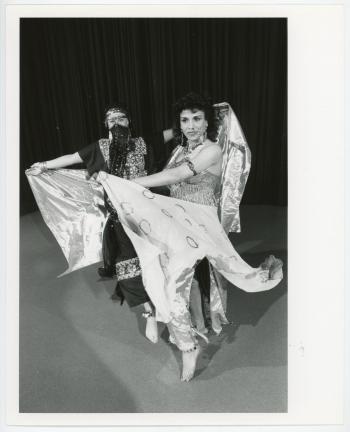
x=115 y=111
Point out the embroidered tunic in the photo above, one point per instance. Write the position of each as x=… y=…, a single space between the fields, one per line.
x=120 y=258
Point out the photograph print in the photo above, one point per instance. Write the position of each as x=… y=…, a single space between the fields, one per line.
x=153 y=215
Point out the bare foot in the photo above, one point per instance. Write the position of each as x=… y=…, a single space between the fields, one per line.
x=151 y=329
x=189 y=361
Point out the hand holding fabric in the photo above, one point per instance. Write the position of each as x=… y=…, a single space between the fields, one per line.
x=100 y=176
x=37 y=168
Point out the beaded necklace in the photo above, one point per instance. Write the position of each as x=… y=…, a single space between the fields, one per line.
x=187 y=150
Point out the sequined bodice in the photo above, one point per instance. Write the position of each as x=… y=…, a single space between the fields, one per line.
x=202 y=188
x=134 y=166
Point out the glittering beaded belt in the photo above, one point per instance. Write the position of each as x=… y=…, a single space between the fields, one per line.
x=127 y=269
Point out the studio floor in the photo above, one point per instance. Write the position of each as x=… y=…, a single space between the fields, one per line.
x=80 y=352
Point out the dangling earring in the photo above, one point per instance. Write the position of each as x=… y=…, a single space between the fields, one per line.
x=182 y=138
x=204 y=136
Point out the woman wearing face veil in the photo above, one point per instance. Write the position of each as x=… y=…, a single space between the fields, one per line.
x=120 y=155
x=206 y=176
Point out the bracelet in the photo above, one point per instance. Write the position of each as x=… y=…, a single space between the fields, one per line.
x=191 y=166
x=43 y=166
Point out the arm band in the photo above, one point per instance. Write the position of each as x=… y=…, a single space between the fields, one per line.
x=191 y=166
x=43 y=166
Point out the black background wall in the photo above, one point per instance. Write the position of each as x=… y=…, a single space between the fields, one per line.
x=72 y=68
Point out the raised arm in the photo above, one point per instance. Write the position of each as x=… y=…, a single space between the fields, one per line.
x=60 y=162
x=207 y=158
x=168 y=135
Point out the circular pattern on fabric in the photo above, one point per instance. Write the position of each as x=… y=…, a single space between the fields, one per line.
x=148 y=194
x=182 y=208
x=233 y=257
x=127 y=208
x=145 y=226
x=204 y=227
x=191 y=242
x=166 y=213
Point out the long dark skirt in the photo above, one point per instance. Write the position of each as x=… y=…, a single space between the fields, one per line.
x=120 y=259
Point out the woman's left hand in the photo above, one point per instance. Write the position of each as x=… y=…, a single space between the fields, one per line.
x=36 y=169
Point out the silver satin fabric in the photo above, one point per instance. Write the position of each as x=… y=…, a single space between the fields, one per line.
x=170 y=236
x=235 y=167
x=235 y=171
x=73 y=208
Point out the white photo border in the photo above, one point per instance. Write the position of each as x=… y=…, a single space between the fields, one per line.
x=316 y=86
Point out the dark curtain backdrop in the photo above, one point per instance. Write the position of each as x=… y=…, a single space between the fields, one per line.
x=70 y=69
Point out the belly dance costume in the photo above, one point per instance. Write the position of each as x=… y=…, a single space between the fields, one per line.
x=168 y=282
x=123 y=157
x=202 y=189
x=119 y=254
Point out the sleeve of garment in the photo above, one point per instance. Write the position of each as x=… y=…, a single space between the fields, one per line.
x=92 y=158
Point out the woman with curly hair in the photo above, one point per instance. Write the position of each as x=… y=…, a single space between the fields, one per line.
x=193 y=174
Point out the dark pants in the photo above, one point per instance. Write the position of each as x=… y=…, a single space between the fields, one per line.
x=121 y=260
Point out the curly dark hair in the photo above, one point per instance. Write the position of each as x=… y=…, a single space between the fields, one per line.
x=193 y=101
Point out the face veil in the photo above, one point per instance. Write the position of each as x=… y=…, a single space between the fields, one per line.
x=120 y=146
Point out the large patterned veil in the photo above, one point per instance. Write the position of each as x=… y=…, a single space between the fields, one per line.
x=170 y=235
x=72 y=205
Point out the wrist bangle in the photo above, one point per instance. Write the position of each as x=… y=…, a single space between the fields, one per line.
x=43 y=166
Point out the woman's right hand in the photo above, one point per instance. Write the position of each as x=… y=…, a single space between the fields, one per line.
x=100 y=176
x=36 y=169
